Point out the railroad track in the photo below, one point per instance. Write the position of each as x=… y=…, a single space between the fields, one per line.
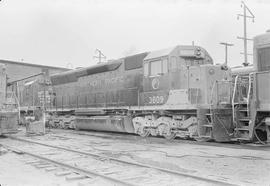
x=110 y=169
x=110 y=135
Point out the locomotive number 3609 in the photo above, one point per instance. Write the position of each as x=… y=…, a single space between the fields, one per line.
x=156 y=99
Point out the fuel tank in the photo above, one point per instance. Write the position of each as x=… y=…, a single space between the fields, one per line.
x=105 y=123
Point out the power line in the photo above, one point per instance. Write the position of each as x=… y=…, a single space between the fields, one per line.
x=244 y=38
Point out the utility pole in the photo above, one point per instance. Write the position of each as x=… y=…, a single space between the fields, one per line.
x=244 y=38
x=100 y=55
x=226 y=50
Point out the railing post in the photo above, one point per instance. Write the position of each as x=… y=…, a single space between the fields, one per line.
x=233 y=98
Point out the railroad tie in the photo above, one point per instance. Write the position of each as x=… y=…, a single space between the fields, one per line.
x=32 y=161
x=76 y=177
x=63 y=173
x=51 y=169
x=43 y=166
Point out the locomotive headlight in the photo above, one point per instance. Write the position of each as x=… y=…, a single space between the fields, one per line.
x=198 y=51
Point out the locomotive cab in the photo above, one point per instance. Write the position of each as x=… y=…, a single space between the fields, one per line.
x=178 y=83
x=179 y=76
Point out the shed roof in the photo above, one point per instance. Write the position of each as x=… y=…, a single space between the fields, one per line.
x=31 y=64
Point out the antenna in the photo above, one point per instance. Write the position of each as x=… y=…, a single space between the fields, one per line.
x=100 y=55
x=226 y=50
x=244 y=38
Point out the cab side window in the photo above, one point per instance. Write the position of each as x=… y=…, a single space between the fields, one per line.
x=165 y=66
x=173 y=63
x=156 y=68
x=146 y=69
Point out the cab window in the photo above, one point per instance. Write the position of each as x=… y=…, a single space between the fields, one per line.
x=173 y=65
x=156 y=68
x=165 y=66
x=146 y=69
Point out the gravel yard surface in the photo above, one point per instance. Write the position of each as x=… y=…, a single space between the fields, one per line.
x=230 y=163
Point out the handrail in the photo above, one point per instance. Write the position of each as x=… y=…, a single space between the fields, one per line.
x=211 y=101
x=234 y=92
x=212 y=92
x=249 y=92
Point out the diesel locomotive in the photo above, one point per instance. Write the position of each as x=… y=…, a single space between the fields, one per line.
x=174 y=92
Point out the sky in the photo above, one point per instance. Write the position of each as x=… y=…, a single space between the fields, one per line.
x=66 y=33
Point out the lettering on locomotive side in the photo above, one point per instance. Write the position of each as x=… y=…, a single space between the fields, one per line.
x=114 y=80
x=108 y=82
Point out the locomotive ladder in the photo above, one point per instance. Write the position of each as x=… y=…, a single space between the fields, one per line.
x=208 y=126
x=241 y=108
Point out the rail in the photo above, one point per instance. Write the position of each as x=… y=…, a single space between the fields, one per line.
x=85 y=172
x=177 y=173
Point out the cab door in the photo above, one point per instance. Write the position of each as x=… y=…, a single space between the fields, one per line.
x=155 y=82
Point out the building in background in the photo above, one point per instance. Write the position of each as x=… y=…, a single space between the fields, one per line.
x=21 y=75
x=19 y=70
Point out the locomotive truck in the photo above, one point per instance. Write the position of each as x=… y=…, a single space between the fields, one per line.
x=174 y=92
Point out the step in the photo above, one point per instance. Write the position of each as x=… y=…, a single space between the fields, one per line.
x=244 y=119
x=210 y=126
x=241 y=103
x=243 y=110
x=245 y=128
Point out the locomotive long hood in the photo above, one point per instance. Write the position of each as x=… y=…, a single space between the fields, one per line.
x=73 y=75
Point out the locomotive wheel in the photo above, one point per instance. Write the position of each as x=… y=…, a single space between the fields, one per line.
x=72 y=124
x=144 y=132
x=170 y=135
x=61 y=124
x=51 y=124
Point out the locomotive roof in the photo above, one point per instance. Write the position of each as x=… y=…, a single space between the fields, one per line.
x=168 y=51
x=159 y=53
x=131 y=62
x=263 y=39
x=241 y=70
